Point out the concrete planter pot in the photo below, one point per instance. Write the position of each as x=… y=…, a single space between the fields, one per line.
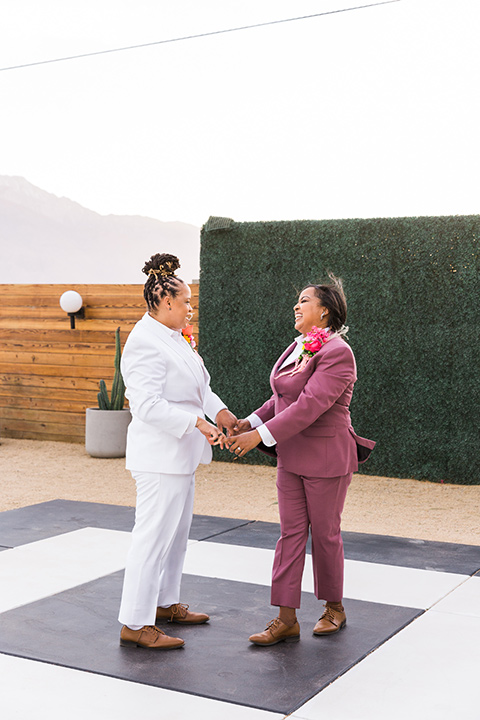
x=106 y=432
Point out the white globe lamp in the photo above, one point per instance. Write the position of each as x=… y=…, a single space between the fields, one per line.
x=71 y=302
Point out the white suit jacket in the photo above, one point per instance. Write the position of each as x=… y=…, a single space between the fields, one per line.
x=168 y=387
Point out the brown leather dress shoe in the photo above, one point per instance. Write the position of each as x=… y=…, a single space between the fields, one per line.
x=275 y=632
x=180 y=614
x=331 y=621
x=149 y=637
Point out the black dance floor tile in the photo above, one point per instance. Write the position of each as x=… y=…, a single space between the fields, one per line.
x=407 y=552
x=78 y=629
x=44 y=520
x=386 y=550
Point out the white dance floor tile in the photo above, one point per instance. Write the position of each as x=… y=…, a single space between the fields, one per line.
x=36 y=570
x=464 y=600
x=371 y=582
x=57 y=693
x=396 y=585
x=428 y=671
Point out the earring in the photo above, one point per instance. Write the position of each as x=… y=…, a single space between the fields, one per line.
x=322 y=316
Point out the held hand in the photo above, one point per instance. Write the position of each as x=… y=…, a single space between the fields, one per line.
x=226 y=419
x=241 y=444
x=242 y=426
x=212 y=433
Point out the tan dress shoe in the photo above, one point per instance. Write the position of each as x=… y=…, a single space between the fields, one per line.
x=331 y=621
x=180 y=614
x=275 y=632
x=149 y=637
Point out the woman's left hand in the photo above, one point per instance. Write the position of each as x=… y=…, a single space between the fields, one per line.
x=241 y=444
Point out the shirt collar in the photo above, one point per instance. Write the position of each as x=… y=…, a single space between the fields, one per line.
x=169 y=331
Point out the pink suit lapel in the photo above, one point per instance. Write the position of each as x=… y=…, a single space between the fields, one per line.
x=280 y=360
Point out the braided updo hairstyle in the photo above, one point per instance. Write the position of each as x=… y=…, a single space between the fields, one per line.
x=332 y=297
x=161 y=280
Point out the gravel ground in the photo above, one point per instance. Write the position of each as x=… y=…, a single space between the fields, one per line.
x=36 y=471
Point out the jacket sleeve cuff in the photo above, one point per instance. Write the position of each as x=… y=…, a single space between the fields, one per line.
x=191 y=425
x=266 y=435
x=254 y=420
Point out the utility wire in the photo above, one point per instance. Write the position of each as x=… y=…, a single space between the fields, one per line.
x=192 y=37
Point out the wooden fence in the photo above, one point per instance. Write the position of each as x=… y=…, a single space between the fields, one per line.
x=49 y=374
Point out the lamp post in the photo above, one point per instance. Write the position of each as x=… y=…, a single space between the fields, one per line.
x=71 y=302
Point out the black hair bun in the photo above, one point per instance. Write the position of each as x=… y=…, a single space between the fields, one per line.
x=163 y=262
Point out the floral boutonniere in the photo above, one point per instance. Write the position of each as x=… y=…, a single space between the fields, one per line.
x=313 y=342
x=187 y=333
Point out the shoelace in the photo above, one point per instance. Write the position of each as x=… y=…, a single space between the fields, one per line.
x=273 y=624
x=179 y=609
x=329 y=615
x=153 y=630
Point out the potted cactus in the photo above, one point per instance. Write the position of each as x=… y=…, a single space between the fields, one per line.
x=106 y=426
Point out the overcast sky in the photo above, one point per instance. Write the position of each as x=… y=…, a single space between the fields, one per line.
x=367 y=113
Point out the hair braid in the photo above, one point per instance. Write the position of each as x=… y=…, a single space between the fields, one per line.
x=161 y=280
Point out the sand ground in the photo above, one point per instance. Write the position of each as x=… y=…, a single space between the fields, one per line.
x=36 y=471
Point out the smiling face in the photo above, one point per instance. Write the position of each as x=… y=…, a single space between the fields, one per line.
x=308 y=312
x=175 y=311
x=181 y=311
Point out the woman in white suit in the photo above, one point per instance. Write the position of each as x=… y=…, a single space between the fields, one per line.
x=168 y=388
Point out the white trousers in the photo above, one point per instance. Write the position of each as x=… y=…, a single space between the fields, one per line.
x=155 y=560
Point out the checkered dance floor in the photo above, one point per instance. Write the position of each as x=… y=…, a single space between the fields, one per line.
x=411 y=648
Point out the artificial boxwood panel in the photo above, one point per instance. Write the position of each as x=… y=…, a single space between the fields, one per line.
x=412 y=286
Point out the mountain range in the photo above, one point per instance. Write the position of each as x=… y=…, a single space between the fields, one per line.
x=50 y=239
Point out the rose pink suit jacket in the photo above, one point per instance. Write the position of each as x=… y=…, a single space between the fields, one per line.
x=308 y=414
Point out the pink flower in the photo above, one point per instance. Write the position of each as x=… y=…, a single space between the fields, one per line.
x=315 y=339
x=187 y=334
x=313 y=345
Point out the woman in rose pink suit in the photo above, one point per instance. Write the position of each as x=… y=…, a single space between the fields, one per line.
x=307 y=419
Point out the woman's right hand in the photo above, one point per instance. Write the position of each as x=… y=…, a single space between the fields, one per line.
x=241 y=426
x=211 y=432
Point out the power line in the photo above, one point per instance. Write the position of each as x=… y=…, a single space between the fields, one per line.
x=192 y=37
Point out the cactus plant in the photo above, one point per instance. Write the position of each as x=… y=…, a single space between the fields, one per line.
x=117 y=399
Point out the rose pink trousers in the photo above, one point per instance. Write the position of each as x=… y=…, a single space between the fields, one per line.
x=317 y=503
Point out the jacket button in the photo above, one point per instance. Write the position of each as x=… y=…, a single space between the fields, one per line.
x=280 y=395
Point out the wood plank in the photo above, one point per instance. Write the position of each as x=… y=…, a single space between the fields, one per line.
x=53 y=382
x=40 y=370
x=64 y=324
x=41 y=436
x=58 y=347
x=61 y=336
x=8 y=391
x=41 y=416
x=65 y=429
x=83 y=360
x=22 y=403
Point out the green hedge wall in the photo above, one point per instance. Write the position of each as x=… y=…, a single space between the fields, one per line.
x=412 y=287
